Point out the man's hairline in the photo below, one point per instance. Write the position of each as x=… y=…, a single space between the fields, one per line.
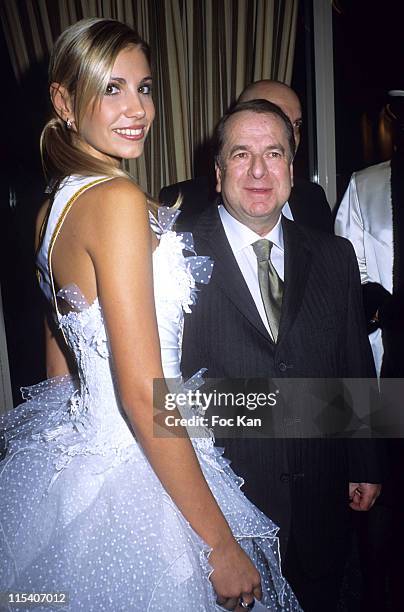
x=256 y=112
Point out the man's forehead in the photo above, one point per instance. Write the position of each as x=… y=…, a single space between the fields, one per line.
x=249 y=123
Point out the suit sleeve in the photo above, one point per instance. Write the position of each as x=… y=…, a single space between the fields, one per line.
x=364 y=454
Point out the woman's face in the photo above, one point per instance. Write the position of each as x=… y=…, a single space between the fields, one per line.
x=118 y=125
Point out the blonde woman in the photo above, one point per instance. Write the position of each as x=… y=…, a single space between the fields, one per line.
x=92 y=502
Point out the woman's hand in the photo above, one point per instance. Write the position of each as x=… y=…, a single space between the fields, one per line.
x=234 y=576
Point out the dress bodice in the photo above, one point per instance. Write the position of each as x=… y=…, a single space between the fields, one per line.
x=83 y=324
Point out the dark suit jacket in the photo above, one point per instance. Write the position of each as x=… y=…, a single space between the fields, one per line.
x=309 y=206
x=307 y=201
x=302 y=484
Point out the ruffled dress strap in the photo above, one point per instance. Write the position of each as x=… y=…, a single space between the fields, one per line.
x=200 y=266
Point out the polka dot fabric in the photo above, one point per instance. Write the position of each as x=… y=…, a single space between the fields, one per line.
x=82 y=511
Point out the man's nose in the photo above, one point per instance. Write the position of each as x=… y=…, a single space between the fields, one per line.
x=258 y=167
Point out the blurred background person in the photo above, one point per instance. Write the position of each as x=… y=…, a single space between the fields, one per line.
x=371 y=216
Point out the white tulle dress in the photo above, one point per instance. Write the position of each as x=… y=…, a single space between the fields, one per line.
x=81 y=509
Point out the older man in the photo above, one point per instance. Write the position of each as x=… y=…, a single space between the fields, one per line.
x=307 y=204
x=283 y=302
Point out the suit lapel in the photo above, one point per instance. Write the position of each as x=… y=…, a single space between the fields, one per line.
x=297 y=268
x=226 y=271
x=209 y=230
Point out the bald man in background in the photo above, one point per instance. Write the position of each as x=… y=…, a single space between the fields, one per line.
x=307 y=204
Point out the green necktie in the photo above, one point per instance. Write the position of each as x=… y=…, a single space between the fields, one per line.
x=271 y=286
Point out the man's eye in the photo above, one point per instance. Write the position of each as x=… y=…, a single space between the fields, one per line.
x=111 y=89
x=274 y=154
x=241 y=155
x=145 y=89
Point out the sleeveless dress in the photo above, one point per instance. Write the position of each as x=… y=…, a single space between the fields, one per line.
x=81 y=509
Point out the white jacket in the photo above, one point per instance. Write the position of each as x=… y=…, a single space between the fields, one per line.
x=365 y=218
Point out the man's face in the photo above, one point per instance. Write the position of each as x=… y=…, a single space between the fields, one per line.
x=254 y=174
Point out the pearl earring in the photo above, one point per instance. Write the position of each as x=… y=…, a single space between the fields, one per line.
x=69 y=124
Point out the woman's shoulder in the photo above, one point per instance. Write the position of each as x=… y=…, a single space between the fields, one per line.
x=109 y=195
x=116 y=191
x=112 y=208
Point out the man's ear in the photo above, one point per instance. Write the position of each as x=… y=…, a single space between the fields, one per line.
x=218 y=172
x=291 y=173
x=61 y=101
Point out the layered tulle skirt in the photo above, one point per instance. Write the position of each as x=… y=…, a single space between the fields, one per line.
x=95 y=523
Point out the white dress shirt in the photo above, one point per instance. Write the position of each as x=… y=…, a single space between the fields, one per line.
x=241 y=238
x=286 y=211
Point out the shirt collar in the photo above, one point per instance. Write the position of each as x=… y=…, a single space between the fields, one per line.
x=241 y=236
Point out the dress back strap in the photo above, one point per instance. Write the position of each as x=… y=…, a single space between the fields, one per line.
x=60 y=220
